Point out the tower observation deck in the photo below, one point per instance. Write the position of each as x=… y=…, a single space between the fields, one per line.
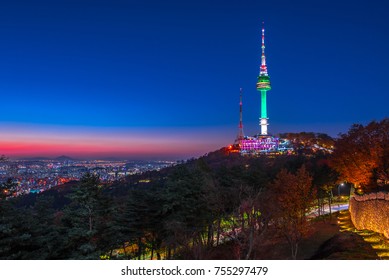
x=263 y=85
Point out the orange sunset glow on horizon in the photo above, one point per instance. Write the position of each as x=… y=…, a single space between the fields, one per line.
x=50 y=141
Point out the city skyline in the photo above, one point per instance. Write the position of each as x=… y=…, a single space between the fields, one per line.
x=131 y=80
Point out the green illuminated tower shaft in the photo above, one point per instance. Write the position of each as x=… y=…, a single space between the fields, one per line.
x=263 y=105
x=263 y=85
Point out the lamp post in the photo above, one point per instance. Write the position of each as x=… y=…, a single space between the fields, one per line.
x=340 y=185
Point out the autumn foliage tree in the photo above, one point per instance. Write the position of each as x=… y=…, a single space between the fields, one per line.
x=361 y=155
x=293 y=196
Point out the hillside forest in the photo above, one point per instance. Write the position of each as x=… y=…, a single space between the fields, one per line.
x=219 y=206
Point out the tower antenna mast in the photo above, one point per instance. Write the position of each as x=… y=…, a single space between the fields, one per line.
x=240 y=132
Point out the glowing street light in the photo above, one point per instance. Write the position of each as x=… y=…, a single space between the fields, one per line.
x=340 y=185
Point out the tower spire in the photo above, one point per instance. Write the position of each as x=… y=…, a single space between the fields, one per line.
x=263 y=69
x=240 y=132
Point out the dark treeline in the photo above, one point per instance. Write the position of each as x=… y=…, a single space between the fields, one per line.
x=218 y=206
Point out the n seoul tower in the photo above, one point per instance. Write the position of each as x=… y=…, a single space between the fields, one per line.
x=263 y=85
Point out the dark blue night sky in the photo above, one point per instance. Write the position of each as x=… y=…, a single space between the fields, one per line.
x=173 y=69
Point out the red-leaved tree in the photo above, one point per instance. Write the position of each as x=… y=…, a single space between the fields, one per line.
x=293 y=196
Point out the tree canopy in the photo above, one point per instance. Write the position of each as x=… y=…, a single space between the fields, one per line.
x=361 y=155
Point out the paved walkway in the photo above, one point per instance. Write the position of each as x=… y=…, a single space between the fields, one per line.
x=334 y=208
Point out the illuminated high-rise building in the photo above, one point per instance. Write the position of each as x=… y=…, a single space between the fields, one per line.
x=263 y=85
